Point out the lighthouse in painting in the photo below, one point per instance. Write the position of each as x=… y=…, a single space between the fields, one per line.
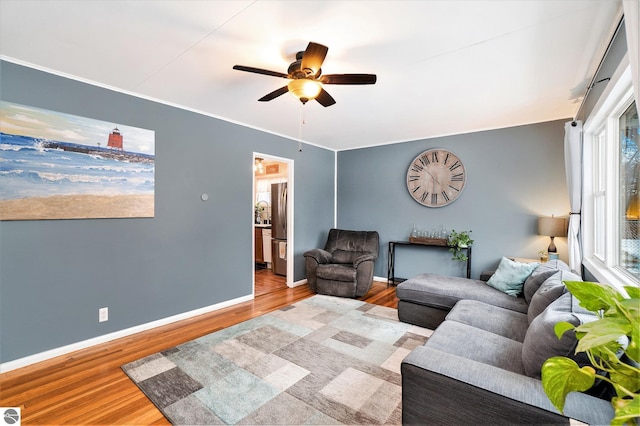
x=115 y=139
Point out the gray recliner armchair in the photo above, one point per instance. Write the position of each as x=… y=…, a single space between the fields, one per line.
x=345 y=266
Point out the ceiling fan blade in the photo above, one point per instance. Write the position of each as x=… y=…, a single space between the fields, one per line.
x=325 y=99
x=260 y=71
x=274 y=94
x=314 y=57
x=348 y=79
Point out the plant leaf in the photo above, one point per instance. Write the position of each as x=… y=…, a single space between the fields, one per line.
x=561 y=375
x=610 y=352
x=562 y=327
x=603 y=339
x=630 y=308
x=626 y=410
x=601 y=332
x=626 y=376
x=593 y=296
x=633 y=292
x=633 y=349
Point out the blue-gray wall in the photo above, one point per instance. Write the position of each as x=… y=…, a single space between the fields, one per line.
x=56 y=274
x=514 y=175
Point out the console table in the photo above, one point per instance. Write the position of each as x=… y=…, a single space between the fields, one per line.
x=391 y=278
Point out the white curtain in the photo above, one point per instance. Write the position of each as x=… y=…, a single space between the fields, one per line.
x=631 y=10
x=573 y=167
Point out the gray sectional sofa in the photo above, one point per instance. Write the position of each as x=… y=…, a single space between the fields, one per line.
x=482 y=363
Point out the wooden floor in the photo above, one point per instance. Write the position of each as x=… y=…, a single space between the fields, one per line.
x=88 y=386
x=267 y=281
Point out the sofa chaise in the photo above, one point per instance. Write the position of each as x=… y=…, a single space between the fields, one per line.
x=482 y=363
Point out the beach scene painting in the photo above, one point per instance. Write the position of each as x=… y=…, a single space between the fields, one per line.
x=61 y=166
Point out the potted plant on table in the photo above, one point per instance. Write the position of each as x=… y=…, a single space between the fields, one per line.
x=457 y=241
x=602 y=340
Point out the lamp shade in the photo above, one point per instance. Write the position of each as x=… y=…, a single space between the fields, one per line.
x=304 y=89
x=552 y=226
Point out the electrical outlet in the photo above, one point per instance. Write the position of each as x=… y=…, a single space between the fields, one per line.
x=103 y=314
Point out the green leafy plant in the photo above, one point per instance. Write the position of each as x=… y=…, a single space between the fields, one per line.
x=616 y=329
x=457 y=241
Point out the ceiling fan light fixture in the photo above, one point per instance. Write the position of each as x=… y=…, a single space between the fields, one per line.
x=306 y=79
x=304 y=89
x=258 y=166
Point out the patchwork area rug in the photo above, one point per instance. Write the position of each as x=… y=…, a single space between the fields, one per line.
x=323 y=360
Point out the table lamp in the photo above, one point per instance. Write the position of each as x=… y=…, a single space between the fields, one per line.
x=552 y=227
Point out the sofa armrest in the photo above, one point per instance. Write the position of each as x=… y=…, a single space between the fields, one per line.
x=479 y=391
x=320 y=255
x=485 y=275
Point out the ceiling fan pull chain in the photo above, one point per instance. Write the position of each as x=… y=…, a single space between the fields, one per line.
x=300 y=127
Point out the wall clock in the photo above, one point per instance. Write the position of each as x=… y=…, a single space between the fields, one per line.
x=436 y=178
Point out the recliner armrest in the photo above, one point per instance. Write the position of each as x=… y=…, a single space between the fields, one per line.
x=320 y=255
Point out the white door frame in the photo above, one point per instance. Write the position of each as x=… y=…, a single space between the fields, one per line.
x=290 y=223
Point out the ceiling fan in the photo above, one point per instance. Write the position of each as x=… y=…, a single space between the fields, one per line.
x=307 y=79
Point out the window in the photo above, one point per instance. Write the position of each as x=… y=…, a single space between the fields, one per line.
x=599 y=181
x=611 y=187
x=629 y=242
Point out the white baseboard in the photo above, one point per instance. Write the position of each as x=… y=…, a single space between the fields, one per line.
x=299 y=283
x=43 y=356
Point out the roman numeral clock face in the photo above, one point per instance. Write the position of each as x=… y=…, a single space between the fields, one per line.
x=436 y=178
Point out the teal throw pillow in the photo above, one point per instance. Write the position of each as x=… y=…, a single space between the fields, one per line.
x=511 y=275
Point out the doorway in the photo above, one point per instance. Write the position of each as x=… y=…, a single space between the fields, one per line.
x=272 y=206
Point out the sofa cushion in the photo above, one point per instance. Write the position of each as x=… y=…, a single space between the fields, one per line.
x=344 y=256
x=336 y=272
x=443 y=292
x=336 y=288
x=552 y=288
x=510 y=276
x=501 y=321
x=540 y=275
x=478 y=345
x=541 y=343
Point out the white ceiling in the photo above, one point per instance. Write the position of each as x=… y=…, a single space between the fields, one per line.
x=444 y=67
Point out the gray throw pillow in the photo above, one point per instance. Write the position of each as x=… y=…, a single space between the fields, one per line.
x=552 y=288
x=540 y=275
x=541 y=343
